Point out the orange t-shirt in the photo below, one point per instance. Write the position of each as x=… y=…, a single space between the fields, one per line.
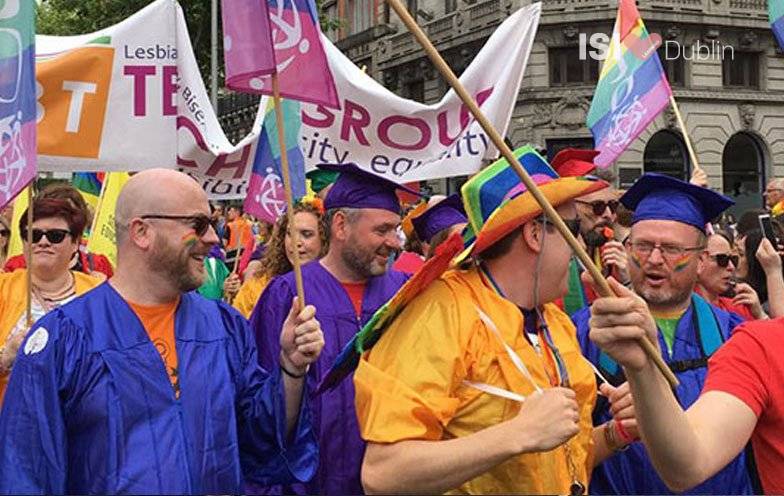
x=158 y=321
x=355 y=292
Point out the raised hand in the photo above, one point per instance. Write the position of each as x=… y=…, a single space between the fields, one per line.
x=301 y=339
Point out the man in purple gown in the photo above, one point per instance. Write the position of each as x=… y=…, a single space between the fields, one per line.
x=346 y=286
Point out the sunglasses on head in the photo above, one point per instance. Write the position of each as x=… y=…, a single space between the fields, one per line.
x=55 y=236
x=723 y=259
x=199 y=223
x=599 y=206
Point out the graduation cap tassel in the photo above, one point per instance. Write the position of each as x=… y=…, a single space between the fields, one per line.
x=603 y=286
x=284 y=165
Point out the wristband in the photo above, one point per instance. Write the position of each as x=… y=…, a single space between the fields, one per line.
x=293 y=375
x=625 y=436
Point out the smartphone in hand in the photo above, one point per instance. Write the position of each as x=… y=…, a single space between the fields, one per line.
x=766 y=225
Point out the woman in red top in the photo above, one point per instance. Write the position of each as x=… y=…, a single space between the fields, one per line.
x=717 y=277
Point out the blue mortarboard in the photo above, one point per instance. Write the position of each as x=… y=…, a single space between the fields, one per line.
x=358 y=188
x=440 y=216
x=659 y=197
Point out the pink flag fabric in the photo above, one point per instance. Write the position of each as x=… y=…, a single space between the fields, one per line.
x=262 y=37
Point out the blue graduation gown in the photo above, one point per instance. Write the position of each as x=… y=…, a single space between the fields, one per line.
x=631 y=471
x=340 y=445
x=94 y=411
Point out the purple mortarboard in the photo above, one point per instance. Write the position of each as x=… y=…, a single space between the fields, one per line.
x=444 y=214
x=358 y=188
x=659 y=197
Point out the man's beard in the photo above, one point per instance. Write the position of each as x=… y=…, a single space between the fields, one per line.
x=595 y=237
x=175 y=264
x=668 y=298
x=361 y=260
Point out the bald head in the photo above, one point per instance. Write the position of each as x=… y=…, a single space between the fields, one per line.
x=158 y=191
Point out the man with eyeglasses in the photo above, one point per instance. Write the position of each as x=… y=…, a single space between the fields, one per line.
x=774 y=196
x=666 y=247
x=144 y=387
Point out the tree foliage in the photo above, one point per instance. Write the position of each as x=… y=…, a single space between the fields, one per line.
x=69 y=17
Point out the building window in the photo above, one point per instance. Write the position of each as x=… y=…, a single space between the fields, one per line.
x=743 y=171
x=414 y=90
x=567 y=68
x=450 y=6
x=741 y=70
x=674 y=67
x=360 y=15
x=666 y=153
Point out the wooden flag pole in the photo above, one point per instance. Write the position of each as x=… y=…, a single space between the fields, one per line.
x=686 y=139
x=602 y=285
x=29 y=261
x=284 y=165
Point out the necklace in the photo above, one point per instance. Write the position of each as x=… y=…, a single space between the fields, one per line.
x=51 y=300
x=576 y=488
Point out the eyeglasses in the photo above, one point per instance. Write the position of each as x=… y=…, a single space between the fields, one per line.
x=643 y=249
x=5 y=232
x=724 y=259
x=599 y=206
x=199 y=223
x=55 y=236
x=572 y=224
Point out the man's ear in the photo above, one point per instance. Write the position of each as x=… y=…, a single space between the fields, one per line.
x=339 y=227
x=140 y=234
x=532 y=236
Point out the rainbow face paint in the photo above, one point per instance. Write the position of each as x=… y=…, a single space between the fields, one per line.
x=636 y=260
x=190 y=239
x=681 y=263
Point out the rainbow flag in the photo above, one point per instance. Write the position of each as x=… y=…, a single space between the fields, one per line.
x=17 y=98
x=632 y=89
x=89 y=185
x=776 y=14
x=266 y=198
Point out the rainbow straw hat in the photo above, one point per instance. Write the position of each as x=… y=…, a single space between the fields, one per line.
x=497 y=202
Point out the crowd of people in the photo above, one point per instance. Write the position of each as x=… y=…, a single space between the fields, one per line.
x=192 y=366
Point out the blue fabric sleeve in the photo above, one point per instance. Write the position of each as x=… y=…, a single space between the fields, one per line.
x=33 y=451
x=267 y=319
x=267 y=457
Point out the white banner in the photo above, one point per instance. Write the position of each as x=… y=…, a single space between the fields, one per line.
x=130 y=97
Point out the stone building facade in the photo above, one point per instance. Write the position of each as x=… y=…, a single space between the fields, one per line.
x=723 y=64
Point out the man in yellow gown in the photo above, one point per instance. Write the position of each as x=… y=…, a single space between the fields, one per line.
x=478 y=386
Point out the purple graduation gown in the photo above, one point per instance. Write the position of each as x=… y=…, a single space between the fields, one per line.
x=90 y=408
x=341 y=448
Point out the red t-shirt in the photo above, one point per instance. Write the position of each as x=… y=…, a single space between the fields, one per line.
x=355 y=291
x=750 y=367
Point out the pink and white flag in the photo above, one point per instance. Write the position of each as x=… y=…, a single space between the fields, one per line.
x=283 y=36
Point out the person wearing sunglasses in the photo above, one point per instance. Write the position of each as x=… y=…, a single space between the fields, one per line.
x=94 y=264
x=666 y=248
x=598 y=216
x=143 y=386
x=717 y=277
x=53 y=284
